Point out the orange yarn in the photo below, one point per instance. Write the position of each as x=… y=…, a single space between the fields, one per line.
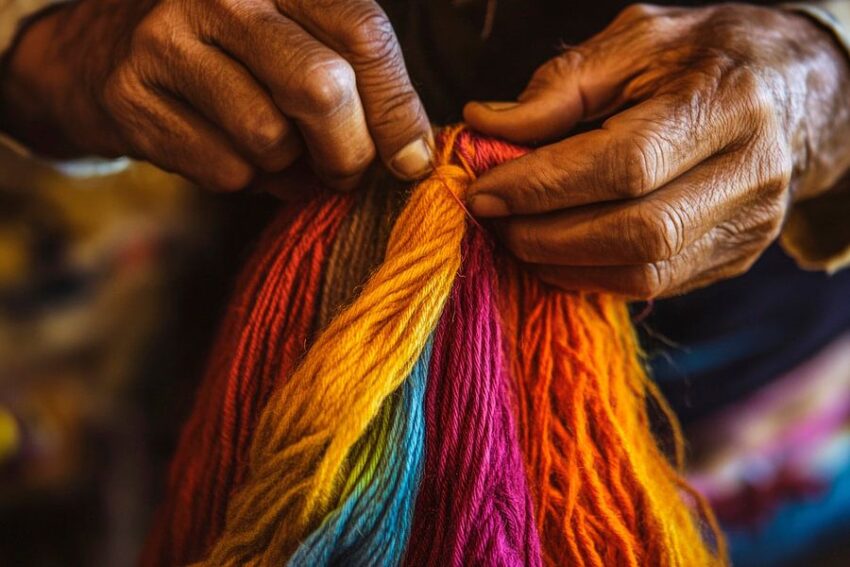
x=604 y=492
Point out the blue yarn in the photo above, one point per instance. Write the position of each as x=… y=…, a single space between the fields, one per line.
x=371 y=525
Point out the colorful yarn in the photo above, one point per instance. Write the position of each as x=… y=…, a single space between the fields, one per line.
x=311 y=423
x=371 y=524
x=474 y=507
x=523 y=436
x=605 y=494
x=265 y=333
x=359 y=247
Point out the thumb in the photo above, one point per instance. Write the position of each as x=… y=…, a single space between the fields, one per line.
x=582 y=83
x=551 y=104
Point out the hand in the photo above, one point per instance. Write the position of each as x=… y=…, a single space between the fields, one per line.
x=724 y=116
x=218 y=90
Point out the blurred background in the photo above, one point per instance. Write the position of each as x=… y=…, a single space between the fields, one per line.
x=113 y=276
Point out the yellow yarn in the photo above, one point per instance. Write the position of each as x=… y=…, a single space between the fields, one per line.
x=309 y=426
x=681 y=537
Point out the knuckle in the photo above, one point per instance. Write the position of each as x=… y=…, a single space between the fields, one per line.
x=371 y=35
x=641 y=159
x=656 y=233
x=714 y=66
x=327 y=86
x=756 y=97
x=347 y=164
x=556 y=71
x=640 y=12
x=235 y=10
x=123 y=91
x=264 y=133
x=648 y=280
x=400 y=112
x=563 y=66
x=158 y=31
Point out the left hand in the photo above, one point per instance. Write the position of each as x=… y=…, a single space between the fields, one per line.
x=726 y=115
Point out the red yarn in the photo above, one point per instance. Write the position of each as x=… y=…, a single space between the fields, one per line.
x=265 y=332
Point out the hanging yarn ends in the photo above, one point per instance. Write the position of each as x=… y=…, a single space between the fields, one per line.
x=389 y=386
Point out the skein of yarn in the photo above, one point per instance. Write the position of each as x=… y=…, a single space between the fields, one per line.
x=412 y=396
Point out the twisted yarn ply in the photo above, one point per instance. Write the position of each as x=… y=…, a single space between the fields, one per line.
x=391 y=390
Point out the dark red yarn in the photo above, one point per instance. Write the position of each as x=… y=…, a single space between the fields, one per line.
x=262 y=338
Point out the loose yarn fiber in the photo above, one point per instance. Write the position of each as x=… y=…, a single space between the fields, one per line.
x=389 y=387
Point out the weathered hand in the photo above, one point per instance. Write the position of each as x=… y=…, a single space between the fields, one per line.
x=725 y=116
x=219 y=90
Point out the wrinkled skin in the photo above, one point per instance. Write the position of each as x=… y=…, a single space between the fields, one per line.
x=220 y=90
x=718 y=120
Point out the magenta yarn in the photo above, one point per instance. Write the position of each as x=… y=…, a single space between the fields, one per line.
x=474 y=506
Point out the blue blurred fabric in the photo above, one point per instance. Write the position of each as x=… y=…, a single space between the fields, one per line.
x=716 y=345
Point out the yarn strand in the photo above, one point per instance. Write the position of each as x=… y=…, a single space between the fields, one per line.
x=310 y=424
x=419 y=398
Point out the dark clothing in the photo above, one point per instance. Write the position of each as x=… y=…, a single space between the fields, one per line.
x=451 y=63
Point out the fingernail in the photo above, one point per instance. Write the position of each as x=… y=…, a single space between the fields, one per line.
x=487 y=206
x=414 y=160
x=498 y=106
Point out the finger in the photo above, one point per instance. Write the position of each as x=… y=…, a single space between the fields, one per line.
x=633 y=154
x=362 y=34
x=229 y=96
x=643 y=281
x=172 y=136
x=297 y=183
x=309 y=83
x=731 y=250
x=713 y=274
x=719 y=254
x=557 y=98
x=654 y=228
x=585 y=81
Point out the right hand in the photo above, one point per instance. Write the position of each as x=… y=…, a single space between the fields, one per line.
x=219 y=90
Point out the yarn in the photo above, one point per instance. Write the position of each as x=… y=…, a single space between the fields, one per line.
x=450 y=410
x=604 y=492
x=311 y=423
x=360 y=244
x=371 y=522
x=474 y=507
x=264 y=334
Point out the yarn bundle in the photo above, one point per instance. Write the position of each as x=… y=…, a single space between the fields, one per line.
x=390 y=388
